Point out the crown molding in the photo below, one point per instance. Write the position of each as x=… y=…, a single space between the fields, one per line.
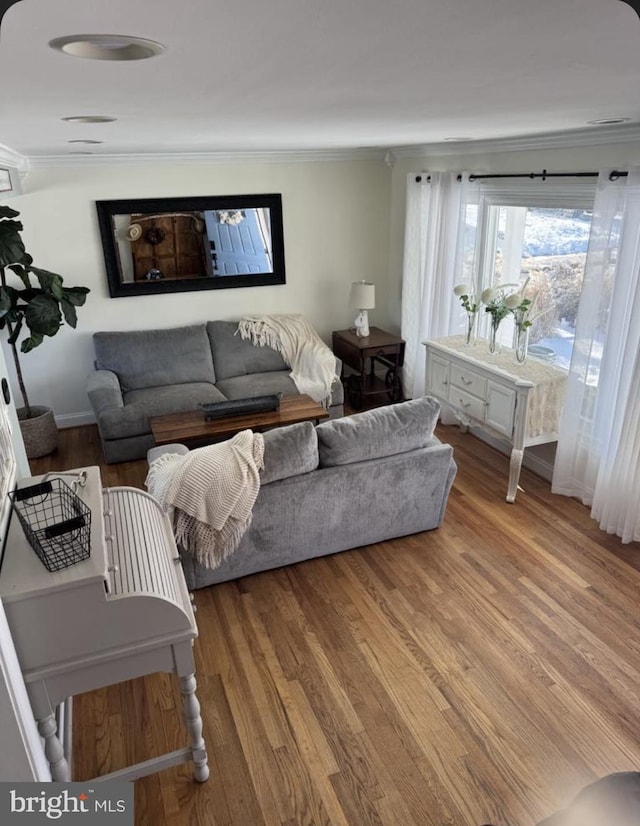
x=160 y=158
x=573 y=139
x=604 y=135
x=13 y=159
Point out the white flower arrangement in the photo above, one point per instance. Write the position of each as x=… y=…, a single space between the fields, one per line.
x=467 y=298
x=522 y=308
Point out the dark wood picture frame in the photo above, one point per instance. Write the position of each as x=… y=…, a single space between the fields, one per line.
x=154 y=224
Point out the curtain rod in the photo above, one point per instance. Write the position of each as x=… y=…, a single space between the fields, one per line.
x=613 y=176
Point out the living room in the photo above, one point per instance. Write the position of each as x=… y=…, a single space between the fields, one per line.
x=530 y=693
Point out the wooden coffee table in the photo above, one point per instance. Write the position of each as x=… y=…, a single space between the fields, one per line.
x=192 y=429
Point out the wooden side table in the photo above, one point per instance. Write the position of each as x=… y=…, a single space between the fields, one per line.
x=378 y=347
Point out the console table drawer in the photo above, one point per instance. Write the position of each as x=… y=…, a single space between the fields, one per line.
x=468 y=380
x=466 y=403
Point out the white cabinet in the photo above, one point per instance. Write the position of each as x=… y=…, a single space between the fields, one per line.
x=521 y=403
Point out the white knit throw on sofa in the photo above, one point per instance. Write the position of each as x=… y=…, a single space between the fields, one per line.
x=313 y=365
x=209 y=493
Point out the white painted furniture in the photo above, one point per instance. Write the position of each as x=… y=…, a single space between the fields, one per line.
x=122 y=613
x=519 y=403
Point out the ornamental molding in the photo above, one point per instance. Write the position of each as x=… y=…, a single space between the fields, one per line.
x=572 y=139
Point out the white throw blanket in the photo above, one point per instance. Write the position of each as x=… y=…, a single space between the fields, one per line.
x=313 y=365
x=210 y=493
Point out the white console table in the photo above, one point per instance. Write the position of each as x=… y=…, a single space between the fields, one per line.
x=521 y=403
x=122 y=613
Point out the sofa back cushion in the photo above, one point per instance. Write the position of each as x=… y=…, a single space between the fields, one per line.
x=289 y=451
x=235 y=356
x=153 y=358
x=383 y=431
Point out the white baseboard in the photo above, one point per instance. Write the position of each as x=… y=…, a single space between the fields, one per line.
x=75 y=419
x=530 y=461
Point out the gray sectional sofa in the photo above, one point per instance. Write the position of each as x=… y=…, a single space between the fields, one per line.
x=345 y=483
x=146 y=373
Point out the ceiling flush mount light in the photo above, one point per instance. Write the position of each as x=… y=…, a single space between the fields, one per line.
x=89 y=119
x=107 y=46
x=608 y=121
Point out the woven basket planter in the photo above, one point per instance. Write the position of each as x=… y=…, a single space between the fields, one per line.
x=39 y=433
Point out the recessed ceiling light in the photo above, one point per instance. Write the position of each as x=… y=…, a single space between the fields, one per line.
x=608 y=121
x=458 y=139
x=89 y=119
x=107 y=46
x=84 y=141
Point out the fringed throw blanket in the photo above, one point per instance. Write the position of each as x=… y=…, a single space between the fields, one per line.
x=210 y=493
x=313 y=365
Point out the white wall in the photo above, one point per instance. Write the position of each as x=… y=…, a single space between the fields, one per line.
x=336 y=224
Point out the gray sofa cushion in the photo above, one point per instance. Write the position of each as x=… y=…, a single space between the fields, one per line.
x=234 y=356
x=258 y=384
x=383 y=431
x=141 y=405
x=289 y=451
x=151 y=358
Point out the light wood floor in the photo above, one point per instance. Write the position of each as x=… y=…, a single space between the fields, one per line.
x=483 y=672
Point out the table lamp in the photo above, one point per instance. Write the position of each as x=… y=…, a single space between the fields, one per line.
x=363 y=297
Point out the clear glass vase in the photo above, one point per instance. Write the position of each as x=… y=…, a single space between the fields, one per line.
x=493 y=332
x=469 y=330
x=521 y=343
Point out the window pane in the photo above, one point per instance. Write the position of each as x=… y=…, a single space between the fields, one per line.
x=547 y=248
x=553 y=258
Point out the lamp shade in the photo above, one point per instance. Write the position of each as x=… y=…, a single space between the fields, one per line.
x=363 y=295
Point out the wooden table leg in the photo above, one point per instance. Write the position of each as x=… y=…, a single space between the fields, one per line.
x=515 y=465
x=193 y=720
x=53 y=749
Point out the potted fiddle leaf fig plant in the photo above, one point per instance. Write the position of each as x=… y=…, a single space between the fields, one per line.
x=38 y=301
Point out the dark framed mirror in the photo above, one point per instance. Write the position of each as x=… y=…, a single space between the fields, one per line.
x=167 y=245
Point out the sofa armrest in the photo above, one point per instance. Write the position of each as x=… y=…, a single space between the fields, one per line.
x=104 y=391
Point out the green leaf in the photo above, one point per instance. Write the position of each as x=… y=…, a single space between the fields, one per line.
x=8 y=299
x=11 y=246
x=69 y=312
x=43 y=316
x=22 y=273
x=76 y=295
x=33 y=341
x=7 y=212
x=49 y=281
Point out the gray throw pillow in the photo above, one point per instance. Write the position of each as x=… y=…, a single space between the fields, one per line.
x=289 y=451
x=383 y=431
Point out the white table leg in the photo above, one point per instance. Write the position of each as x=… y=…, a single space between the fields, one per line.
x=515 y=465
x=193 y=720
x=53 y=750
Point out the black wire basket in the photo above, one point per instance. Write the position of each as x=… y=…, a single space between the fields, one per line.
x=56 y=523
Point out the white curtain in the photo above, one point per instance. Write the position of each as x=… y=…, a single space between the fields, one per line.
x=436 y=205
x=598 y=456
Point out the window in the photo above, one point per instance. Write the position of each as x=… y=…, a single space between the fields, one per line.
x=533 y=233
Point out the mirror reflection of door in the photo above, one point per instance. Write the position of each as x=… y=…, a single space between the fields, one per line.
x=171 y=246
x=239 y=241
